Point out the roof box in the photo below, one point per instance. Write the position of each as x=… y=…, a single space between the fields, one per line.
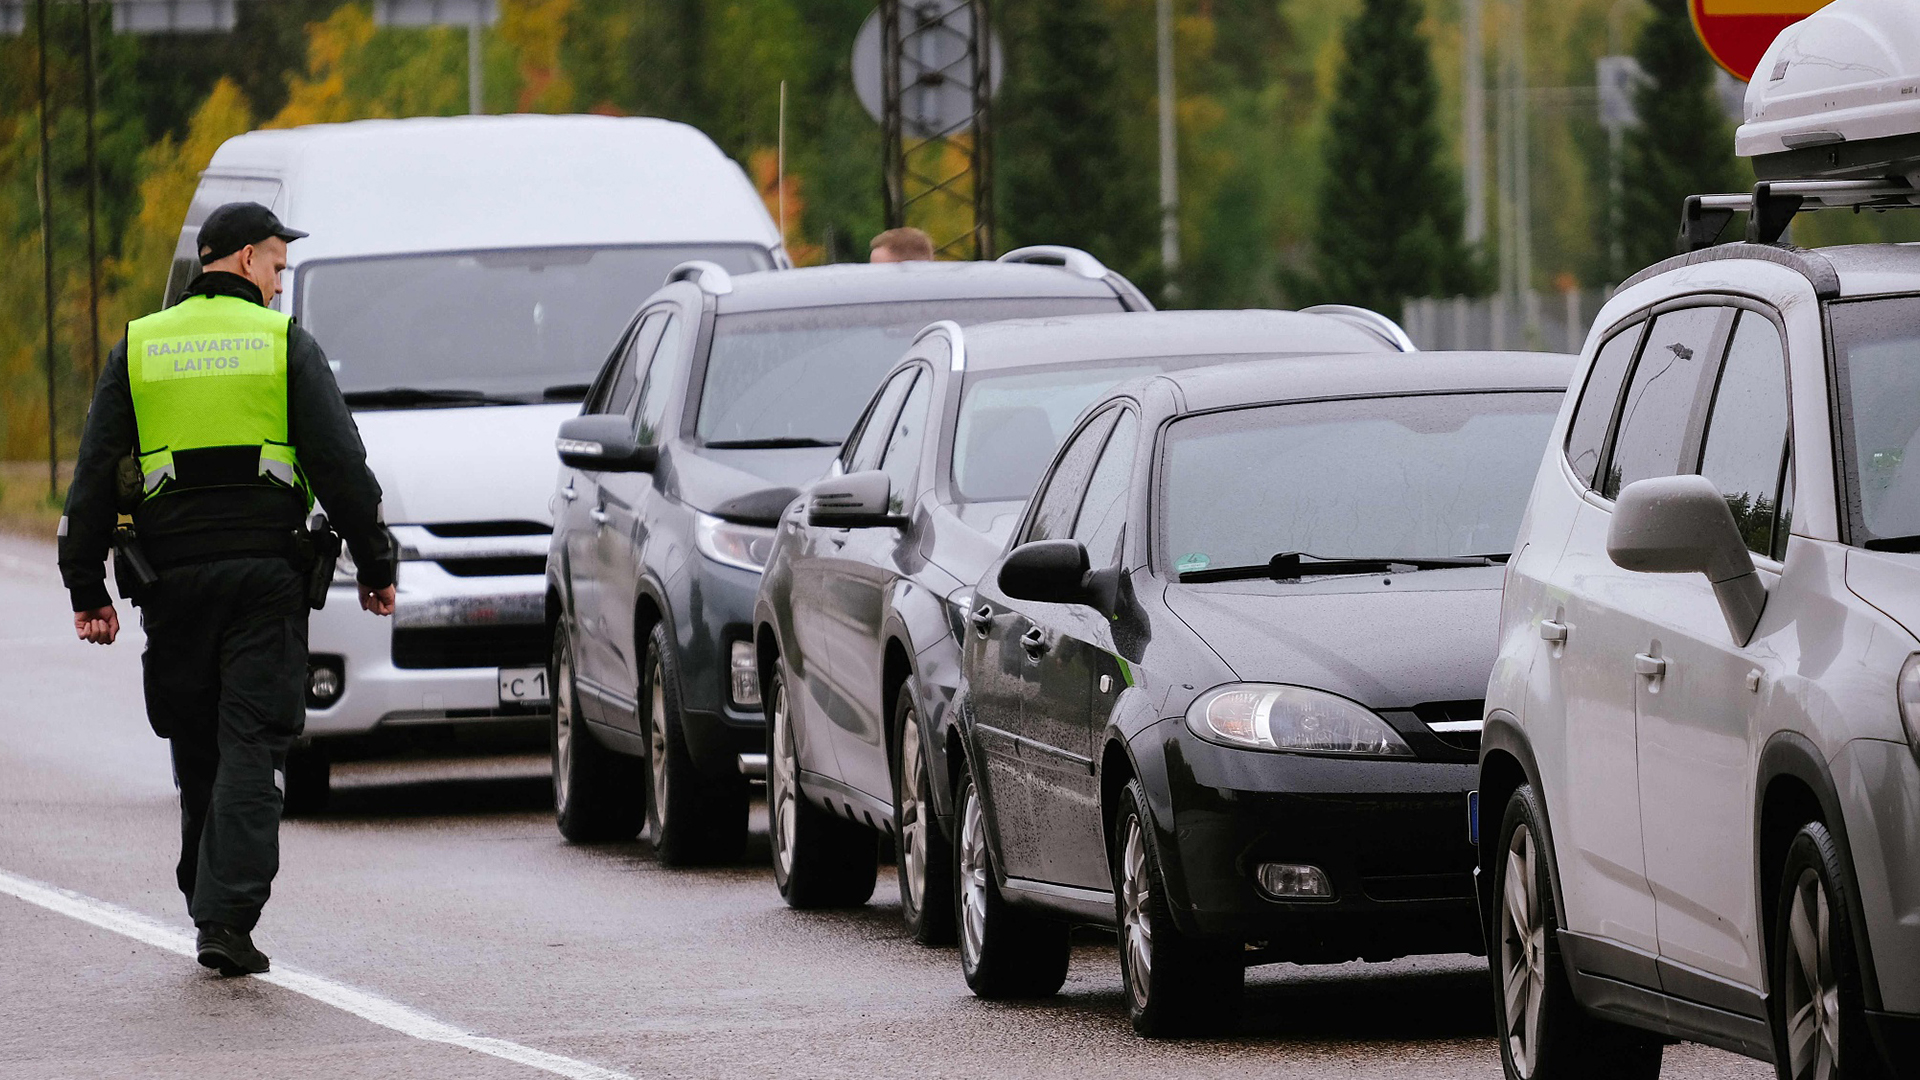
x=1838 y=95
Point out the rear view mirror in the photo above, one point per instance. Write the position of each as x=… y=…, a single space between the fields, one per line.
x=1681 y=525
x=854 y=501
x=1055 y=572
x=604 y=442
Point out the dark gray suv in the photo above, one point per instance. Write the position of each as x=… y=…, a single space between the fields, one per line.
x=723 y=394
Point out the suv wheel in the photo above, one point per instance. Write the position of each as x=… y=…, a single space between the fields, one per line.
x=597 y=794
x=1544 y=1033
x=1175 y=984
x=1005 y=952
x=309 y=780
x=925 y=859
x=1819 y=1022
x=819 y=860
x=692 y=818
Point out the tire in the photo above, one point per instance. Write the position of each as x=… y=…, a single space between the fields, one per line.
x=1176 y=984
x=694 y=819
x=1818 y=1011
x=819 y=860
x=598 y=795
x=1544 y=1033
x=309 y=780
x=924 y=860
x=1005 y=951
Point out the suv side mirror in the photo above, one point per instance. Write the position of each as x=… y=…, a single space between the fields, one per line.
x=1682 y=525
x=1055 y=572
x=604 y=442
x=854 y=501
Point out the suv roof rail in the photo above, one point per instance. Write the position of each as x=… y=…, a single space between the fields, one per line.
x=1366 y=319
x=1811 y=265
x=712 y=278
x=1074 y=259
x=955 y=335
x=1772 y=204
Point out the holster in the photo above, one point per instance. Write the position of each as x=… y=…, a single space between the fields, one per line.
x=318 y=546
x=131 y=570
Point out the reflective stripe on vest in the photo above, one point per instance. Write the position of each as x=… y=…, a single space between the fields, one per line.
x=210 y=373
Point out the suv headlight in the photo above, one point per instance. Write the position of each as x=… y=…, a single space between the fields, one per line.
x=1910 y=701
x=743 y=546
x=1269 y=716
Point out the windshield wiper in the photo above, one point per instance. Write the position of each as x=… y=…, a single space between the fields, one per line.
x=784 y=442
x=413 y=395
x=565 y=392
x=1896 y=544
x=1294 y=565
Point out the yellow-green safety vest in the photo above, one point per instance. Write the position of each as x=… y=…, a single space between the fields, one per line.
x=209 y=383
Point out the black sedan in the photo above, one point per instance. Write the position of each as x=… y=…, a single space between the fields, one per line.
x=1223 y=692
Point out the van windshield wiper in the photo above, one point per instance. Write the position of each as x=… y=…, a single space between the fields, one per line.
x=784 y=442
x=1294 y=565
x=413 y=395
x=1897 y=544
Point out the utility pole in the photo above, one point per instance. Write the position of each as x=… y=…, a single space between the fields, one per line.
x=476 y=96
x=1169 y=149
x=46 y=250
x=1474 y=126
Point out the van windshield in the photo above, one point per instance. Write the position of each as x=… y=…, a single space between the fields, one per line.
x=522 y=325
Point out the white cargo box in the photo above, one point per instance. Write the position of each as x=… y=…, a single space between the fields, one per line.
x=1838 y=94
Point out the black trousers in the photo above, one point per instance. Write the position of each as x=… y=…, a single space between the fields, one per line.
x=225 y=671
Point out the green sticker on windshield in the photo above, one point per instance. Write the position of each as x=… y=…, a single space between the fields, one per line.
x=1198 y=560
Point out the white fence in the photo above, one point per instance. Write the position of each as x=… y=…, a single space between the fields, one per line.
x=1547 y=322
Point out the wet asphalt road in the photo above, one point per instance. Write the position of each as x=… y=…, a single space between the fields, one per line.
x=443 y=886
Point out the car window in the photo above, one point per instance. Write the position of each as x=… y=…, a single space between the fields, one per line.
x=1746 y=444
x=1672 y=377
x=1103 y=513
x=865 y=453
x=1060 y=500
x=658 y=383
x=1587 y=434
x=1877 y=384
x=616 y=392
x=909 y=436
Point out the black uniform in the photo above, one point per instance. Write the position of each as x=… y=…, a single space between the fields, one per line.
x=226 y=658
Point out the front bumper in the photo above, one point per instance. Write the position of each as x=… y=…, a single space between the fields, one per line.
x=1391 y=836
x=713 y=606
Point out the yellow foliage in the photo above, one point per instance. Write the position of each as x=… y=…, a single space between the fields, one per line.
x=535 y=28
x=764 y=166
x=320 y=97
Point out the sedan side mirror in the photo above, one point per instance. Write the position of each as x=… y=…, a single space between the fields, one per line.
x=1055 y=572
x=604 y=442
x=854 y=501
x=1682 y=525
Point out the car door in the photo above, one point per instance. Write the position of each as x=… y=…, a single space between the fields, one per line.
x=1696 y=689
x=1595 y=608
x=1015 y=713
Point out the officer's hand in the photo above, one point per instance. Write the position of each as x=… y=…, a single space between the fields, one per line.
x=99 y=626
x=378 y=601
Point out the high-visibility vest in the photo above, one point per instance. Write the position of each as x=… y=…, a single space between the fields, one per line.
x=209 y=383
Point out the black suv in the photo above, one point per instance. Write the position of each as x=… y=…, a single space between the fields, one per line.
x=723 y=394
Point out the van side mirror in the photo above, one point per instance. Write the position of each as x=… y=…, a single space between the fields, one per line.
x=1055 y=572
x=1682 y=525
x=604 y=442
x=854 y=501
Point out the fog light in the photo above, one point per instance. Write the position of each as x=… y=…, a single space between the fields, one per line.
x=746 y=676
x=324 y=683
x=1294 y=881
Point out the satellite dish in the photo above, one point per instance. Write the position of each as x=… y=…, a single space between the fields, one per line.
x=936 y=71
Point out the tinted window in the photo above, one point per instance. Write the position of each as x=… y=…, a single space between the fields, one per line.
x=909 y=437
x=656 y=387
x=508 y=323
x=1053 y=515
x=1010 y=424
x=1671 y=378
x=614 y=395
x=873 y=437
x=1587 y=434
x=1876 y=347
x=1746 y=443
x=1103 y=513
x=803 y=373
x=1436 y=476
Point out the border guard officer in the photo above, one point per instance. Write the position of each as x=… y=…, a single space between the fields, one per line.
x=215 y=425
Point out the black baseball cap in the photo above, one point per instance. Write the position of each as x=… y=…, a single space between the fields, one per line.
x=237 y=224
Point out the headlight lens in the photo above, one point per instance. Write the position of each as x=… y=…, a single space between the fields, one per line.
x=1268 y=716
x=744 y=546
x=1910 y=700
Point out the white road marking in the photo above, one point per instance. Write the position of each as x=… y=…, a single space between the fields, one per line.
x=364 y=1004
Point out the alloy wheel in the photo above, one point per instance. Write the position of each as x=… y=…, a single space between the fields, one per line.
x=1812 y=990
x=784 y=790
x=1523 y=951
x=657 y=741
x=1136 y=931
x=563 y=726
x=973 y=878
x=913 y=811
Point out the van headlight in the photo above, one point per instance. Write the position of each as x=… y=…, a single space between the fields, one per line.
x=732 y=544
x=1270 y=716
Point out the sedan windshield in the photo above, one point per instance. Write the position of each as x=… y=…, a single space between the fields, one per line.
x=1876 y=349
x=1405 y=478
x=518 y=325
x=800 y=376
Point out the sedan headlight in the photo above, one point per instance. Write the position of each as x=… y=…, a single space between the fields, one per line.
x=1910 y=700
x=731 y=544
x=1267 y=716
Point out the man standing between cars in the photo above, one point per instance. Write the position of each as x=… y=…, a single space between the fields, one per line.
x=215 y=425
x=901 y=245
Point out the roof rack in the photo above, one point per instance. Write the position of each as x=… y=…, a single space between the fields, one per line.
x=1080 y=262
x=956 y=337
x=1366 y=319
x=712 y=278
x=1772 y=204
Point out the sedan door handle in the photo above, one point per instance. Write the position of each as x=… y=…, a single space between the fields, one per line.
x=598 y=515
x=1553 y=631
x=982 y=619
x=1035 y=643
x=1651 y=666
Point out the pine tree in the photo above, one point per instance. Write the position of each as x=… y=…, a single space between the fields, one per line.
x=1389 y=216
x=1683 y=144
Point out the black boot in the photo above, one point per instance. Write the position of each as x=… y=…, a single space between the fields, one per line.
x=229 y=951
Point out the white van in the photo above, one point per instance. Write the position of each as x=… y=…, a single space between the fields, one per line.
x=466 y=277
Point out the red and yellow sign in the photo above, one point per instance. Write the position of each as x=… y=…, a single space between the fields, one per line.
x=1737 y=32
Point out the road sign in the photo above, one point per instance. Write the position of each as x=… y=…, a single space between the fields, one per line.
x=1737 y=32
x=435 y=12
x=936 y=70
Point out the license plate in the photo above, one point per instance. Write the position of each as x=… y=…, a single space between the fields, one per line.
x=523 y=686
